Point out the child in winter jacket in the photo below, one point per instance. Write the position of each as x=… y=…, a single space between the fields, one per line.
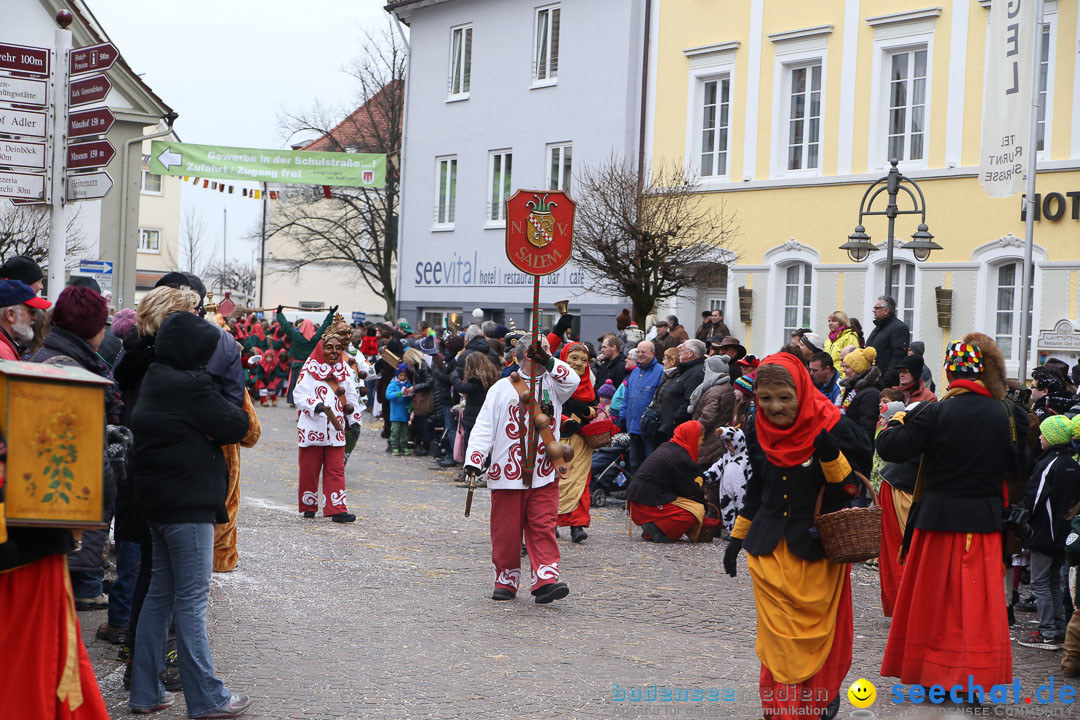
x=398 y=393
x=1053 y=491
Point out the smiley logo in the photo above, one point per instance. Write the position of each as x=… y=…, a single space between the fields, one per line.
x=862 y=693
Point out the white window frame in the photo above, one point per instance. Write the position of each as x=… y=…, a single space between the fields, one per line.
x=875 y=282
x=440 y=221
x=161 y=184
x=499 y=219
x=455 y=94
x=1050 y=22
x=989 y=258
x=562 y=182
x=889 y=39
x=705 y=66
x=549 y=78
x=790 y=55
x=778 y=259
x=144 y=232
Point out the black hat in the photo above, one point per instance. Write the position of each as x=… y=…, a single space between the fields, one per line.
x=913 y=364
x=183 y=279
x=21 y=268
x=85 y=281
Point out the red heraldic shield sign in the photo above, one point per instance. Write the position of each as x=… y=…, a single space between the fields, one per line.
x=539 y=230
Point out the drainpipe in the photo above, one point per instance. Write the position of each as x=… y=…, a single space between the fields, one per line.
x=168 y=119
x=644 y=97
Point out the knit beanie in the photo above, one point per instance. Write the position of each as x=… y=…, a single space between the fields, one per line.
x=860 y=359
x=123 y=322
x=913 y=364
x=745 y=383
x=1059 y=429
x=891 y=409
x=23 y=268
x=607 y=390
x=402 y=368
x=80 y=311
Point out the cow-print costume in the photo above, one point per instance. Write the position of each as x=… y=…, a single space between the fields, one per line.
x=731 y=473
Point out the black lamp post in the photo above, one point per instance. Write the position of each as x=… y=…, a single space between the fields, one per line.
x=859 y=247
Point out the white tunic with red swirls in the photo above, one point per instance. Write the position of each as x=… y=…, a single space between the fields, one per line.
x=498 y=430
x=311 y=389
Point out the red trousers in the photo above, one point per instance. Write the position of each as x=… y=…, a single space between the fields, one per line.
x=672 y=520
x=37 y=606
x=579 y=516
x=530 y=512
x=331 y=462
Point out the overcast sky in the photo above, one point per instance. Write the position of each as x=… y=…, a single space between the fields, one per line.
x=228 y=67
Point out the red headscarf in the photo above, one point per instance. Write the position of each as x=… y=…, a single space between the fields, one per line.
x=316 y=365
x=257 y=331
x=794 y=445
x=307 y=329
x=269 y=361
x=688 y=436
x=585 y=392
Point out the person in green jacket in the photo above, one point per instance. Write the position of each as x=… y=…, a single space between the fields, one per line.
x=303 y=339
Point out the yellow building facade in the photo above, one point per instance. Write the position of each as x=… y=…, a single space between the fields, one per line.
x=787 y=111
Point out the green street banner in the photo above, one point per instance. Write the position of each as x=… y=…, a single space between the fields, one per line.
x=258 y=165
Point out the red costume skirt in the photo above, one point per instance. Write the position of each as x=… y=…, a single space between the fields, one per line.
x=950 y=620
x=889 y=568
x=579 y=516
x=672 y=520
x=40 y=639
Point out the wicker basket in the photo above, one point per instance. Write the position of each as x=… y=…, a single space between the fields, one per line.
x=853 y=534
x=708 y=532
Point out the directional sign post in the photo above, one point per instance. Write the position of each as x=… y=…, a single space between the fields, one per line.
x=96 y=121
x=89 y=155
x=100 y=270
x=25 y=59
x=24 y=91
x=95 y=57
x=27 y=123
x=88 y=90
x=92 y=186
x=22 y=185
x=15 y=153
x=57 y=226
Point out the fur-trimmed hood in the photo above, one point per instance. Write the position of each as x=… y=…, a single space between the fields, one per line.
x=993 y=374
x=867 y=379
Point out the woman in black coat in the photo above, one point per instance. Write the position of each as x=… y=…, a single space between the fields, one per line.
x=180 y=423
x=665 y=501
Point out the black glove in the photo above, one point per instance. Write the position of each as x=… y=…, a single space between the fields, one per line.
x=731 y=554
x=826 y=446
x=333 y=309
x=120 y=435
x=538 y=354
x=280 y=308
x=355 y=428
x=319 y=407
x=472 y=470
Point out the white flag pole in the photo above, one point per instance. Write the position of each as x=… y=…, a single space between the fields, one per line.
x=1029 y=200
x=59 y=91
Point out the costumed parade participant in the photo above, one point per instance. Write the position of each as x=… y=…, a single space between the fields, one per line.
x=269 y=377
x=969 y=440
x=579 y=408
x=798 y=442
x=664 y=499
x=520 y=508
x=326 y=397
x=302 y=342
x=730 y=475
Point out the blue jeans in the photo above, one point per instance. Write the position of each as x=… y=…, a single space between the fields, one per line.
x=127 y=569
x=87 y=583
x=180 y=581
x=640 y=448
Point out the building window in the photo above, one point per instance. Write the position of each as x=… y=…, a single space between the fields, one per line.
x=448 y=319
x=559 y=163
x=797 y=291
x=546 y=55
x=151 y=183
x=1044 y=76
x=715 y=121
x=149 y=240
x=804 y=118
x=1007 y=308
x=548 y=318
x=903 y=291
x=499 y=167
x=311 y=305
x=460 y=61
x=447 y=191
x=907 y=105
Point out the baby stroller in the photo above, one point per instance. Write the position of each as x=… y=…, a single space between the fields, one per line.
x=609 y=480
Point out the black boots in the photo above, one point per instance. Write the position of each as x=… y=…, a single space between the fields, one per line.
x=343 y=517
x=547 y=593
x=577 y=534
x=502 y=594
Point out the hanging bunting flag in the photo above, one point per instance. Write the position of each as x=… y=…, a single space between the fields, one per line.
x=185 y=178
x=326 y=191
x=230 y=189
x=205 y=183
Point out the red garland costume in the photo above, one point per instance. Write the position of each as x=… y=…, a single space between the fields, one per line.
x=322 y=446
x=517 y=509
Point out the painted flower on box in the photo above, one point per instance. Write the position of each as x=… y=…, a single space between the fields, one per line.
x=57 y=445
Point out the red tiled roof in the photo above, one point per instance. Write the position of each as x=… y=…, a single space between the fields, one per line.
x=365 y=129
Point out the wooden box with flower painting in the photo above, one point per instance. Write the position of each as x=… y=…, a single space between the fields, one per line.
x=53 y=419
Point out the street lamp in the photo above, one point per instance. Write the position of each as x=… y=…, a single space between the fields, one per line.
x=859 y=247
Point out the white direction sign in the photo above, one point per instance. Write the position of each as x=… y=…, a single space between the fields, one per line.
x=23 y=122
x=91 y=186
x=14 y=153
x=22 y=90
x=22 y=185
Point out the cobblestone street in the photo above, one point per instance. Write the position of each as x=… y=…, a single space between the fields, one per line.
x=390 y=617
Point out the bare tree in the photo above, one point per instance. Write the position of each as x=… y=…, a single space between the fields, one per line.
x=24 y=230
x=648 y=237
x=191 y=255
x=231 y=276
x=351 y=226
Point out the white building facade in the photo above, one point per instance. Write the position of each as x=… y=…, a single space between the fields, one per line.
x=505 y=95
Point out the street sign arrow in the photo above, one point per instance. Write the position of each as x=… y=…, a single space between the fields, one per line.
x=22 y=90
x=95 y=57
x=91 y=186
x=23 y=122
x=89 y=155
x=14 y=153
x=23 y=58
x=168 y=158
x=19 y=201
x=22 y=185
x=97 y=121
x=89 y=90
